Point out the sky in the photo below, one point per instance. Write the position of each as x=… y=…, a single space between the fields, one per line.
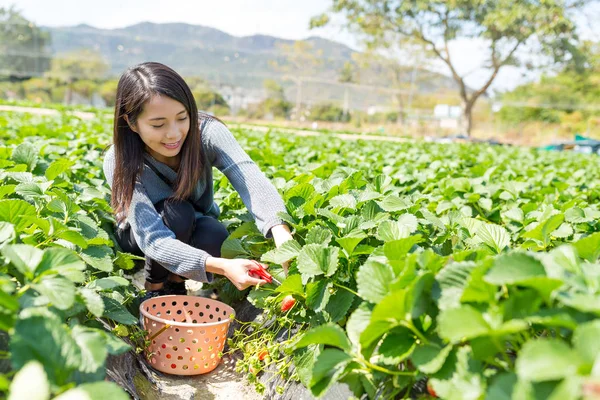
x=288 y=19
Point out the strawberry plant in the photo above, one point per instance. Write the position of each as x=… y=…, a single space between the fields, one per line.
x=469 y=267
x=61 y=280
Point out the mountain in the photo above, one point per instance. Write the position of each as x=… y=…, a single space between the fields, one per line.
x=214 y=55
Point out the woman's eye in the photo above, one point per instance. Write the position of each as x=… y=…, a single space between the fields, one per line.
x=159 y=126
x=183 y=119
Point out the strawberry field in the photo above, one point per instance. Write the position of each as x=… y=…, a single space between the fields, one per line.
x=470 y=269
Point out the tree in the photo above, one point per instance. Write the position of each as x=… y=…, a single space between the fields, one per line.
x=540 y=27
x=77 y=65
x=23 y=47
x=300 y=60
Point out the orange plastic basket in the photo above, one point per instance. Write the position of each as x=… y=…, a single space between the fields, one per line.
x=186 y=333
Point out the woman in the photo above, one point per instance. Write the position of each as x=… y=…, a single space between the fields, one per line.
x=160 y=173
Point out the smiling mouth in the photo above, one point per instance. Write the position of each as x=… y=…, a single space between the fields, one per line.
x=172 y=145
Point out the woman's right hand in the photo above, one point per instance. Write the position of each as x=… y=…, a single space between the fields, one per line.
x=236 y=270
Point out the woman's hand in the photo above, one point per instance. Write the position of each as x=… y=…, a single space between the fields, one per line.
x=236 y=270
x=281 y=234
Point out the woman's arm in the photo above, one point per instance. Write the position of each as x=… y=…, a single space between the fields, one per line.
x=257 y=192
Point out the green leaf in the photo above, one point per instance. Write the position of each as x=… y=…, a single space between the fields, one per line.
x=29 y=190
x=588 y=248
x=350 y=241
x=93 y=348
x=358 y=322
x=126 y=261
x=95 y=391
x=40 y=335
x=398 y=249
x=317 y=294
x=114 y=345
x=329 y=334
x=287 y=251
x=318 y=235
x=93 y=301
x=24 y=257
x=74 y=237
x=15 y=211
x=502 y=387
x=339 y=303
x=108 y=283
x=58 y=167
x=394 y=203
x=60 y=291
x=374 y=279
x=99 y=257
x=585 y=341
x=343 y=201
x=293 y=285
x=27 y=154
x=60 y=260
x=453 y=280
x=494 y=237
x=315 y=259
x=116 y=311
x=7 y=232
x=577 y=215
x=396 y=346
x=30 y=383
x=543 y=231
x=564 y=231
x=546 y=360
x=430 y=358
x=328 y=368
x=395 y=230
x=232 y=248
x=514 y=268
x=463 y=323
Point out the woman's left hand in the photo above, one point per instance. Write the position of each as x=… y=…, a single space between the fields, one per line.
x=281 y=234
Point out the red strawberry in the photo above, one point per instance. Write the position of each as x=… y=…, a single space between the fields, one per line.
x=430 y=390
x=287 y=302
x=262 y=354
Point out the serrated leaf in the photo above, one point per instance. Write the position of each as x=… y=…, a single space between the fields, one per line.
x=395 y=230
x=329 y=334
x=318 y=235
x=99 y=257
x=373 y=280
x=315 y=260
x=116 y=311
x=27 y=154
x=288 y=251
x=108 y=283
x=495 y=237
x=462 y=323
x=513 y=268
x=60 y=291
x=328 y=368
x=24 y=257
x=394 y=203
x=430 y=358
x=15 y=211
x=58 y=167
x=93 y=301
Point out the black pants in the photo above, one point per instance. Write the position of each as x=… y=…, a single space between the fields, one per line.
x=205 y=233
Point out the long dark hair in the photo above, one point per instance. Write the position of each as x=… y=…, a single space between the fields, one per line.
x=137 y=85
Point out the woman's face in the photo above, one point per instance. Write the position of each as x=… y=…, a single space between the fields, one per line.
x=163 y=126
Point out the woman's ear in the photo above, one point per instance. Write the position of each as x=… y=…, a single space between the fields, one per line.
x=131 y=126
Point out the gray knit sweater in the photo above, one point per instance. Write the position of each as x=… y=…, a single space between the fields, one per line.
x=222 y=151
